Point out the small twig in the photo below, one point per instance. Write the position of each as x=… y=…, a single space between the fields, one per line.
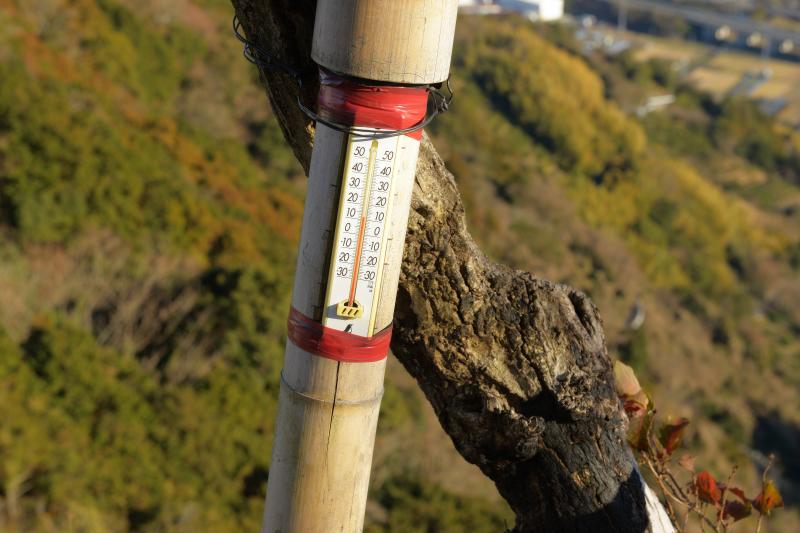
x=690 y=507
x=771 y=459
x=723 y=496
x=664 y=491
x=678 y=495
x=675 y=484
x=673 y=492
x=764 y=482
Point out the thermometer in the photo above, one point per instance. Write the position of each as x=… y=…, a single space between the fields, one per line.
x=359 y=246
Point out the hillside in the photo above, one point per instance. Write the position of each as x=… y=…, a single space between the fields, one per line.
x=150 y=211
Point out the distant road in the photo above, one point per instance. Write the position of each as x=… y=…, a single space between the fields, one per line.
x=785 y=12
x=714 y=20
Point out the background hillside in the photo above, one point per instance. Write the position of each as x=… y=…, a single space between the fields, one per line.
x=149 y=215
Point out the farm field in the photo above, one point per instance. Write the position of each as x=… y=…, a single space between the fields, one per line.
x=718 y=70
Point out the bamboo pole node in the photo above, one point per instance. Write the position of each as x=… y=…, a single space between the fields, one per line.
x=375 y=399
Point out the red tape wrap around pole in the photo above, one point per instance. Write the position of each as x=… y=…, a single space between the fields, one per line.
x=390 y=107
x=311 y=336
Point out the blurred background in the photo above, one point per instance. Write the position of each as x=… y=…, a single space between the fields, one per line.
x=644 y=151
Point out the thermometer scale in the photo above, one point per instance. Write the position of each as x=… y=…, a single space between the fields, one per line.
x=359 y=247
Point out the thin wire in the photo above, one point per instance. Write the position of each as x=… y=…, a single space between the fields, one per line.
x=438 y=102
x=253 y=54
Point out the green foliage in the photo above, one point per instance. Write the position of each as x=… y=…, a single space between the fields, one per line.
x=544 y=90
x=726 y=419
x=125 y=47
x=634 y=350
x=95 y=437
x=96 y=431
x=81 y=155
x=741 y=126
x=418 y=507
x=398 y=407
x=504 y=158
x=684 y=138
x=71 y=165
x=658 y=71
x=706 y=131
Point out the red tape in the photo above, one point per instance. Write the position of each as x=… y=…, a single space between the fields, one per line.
x=311 y=336
x=390 y=107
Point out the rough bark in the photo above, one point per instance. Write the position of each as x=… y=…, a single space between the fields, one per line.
x=515 y=367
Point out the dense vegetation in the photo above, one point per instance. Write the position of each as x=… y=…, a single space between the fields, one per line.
x=149 y=212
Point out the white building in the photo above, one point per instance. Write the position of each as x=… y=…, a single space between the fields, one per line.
x=544 y=10
x=479 y=7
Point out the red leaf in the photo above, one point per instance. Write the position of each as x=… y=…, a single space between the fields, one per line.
x=707 y=489
x=737 y=510
x=671 y=433
x=768 y=499
x=738 y=492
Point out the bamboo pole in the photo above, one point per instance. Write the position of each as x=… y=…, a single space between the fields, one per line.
x=400 y=41
x=328 y=410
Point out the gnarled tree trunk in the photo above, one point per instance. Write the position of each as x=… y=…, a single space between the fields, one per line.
x=515 y=367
